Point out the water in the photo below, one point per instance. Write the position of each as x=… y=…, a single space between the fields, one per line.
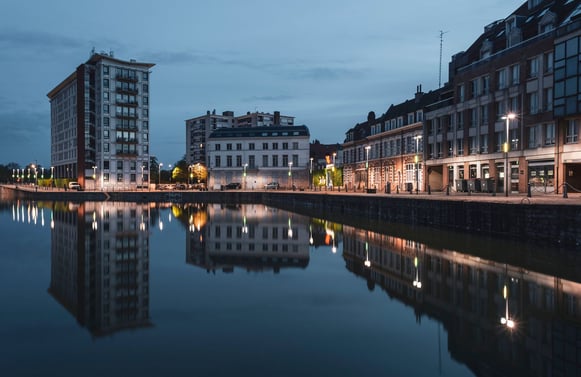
x=201 y=289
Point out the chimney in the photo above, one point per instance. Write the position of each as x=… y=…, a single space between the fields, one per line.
x=277 y=118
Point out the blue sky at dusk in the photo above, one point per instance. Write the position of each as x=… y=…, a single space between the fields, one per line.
x=326 y=62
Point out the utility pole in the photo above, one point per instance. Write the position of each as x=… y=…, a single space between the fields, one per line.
x=441 y=44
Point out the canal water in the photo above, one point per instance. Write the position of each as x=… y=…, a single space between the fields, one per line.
x=126 y=289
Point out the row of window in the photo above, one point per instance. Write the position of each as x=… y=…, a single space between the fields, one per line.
x=125 y=72
x=505 y=77
x=267 y=161
x=125 y=86
x=252 y=146
x=125 y=111
x=121 y=178
x=271 y=233
x=393 y=147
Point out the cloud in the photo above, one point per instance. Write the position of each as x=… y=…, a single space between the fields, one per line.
x=21 y=127
x=38 y=40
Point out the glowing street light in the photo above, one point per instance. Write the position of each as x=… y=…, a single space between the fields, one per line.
x=290 y=173
x=367 y=148
x=159 y=173
x=506 y=148
x=506 y=320
x=244 y=175
x=417 y=160
x=95 y=176
x=311 y=173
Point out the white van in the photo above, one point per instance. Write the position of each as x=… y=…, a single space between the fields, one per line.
x=75 y=186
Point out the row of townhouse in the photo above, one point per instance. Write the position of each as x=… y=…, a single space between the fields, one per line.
x=512 y=104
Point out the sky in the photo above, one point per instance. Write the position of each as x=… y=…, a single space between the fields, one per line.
x=325 y=62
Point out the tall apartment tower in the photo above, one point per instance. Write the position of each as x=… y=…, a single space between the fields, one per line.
x=100 y=124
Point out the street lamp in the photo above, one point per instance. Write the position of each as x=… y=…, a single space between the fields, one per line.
x=159 y=173
x=142 y=167
x=367 y=148
x=290 y=172
x=95 y=176
x=506 y=319
x=51 y=172
x=417 y=160
x=244 y=175
x=311 y=174
x=506 y=148
x=170 y=173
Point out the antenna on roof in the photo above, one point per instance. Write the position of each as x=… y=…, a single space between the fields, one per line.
x=441 y=43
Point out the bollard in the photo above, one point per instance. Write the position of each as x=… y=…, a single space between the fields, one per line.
x=565 y=196
x=448 y=190
x=429 y=190
x=529 y=191
x=397 y=189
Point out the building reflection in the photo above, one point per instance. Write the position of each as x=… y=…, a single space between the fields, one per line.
x=100 y=264
x=252 y=237
x=498 y=316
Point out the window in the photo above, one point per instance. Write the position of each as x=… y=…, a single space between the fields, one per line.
x=106 y=109
x=264 y=160
x=106 y=122
x=460 y=147
x=485 y=84
x=533 y=143
x=515 y=74
x=285 y=146
x=533 y=67
x=106 y=147
x=251 y=162
x=548 y=99
x=572 y=133
x=548 y=62
x=295 y=145
x=229 y=146
x=501 y=78
x=217 y=161
x=119 y=165
x=145 y=113
x=105 y=83
x=239 y=161
x=484 y=143
x=460 y=120
x=119 y=177
x=274 y=161
x=549 y=134
x=238 y=146
x=106 y=165
x=229 y=161
x=251 y=146
x=106 y=134
x=461 y=93
x=217 y=147
x=295 y=160
x=145 y=100
x=105 y=69
x=284 y=160
x=265 y=146
x=145 y=76
x=145 y=88
x=275 y=146
x=474 y=88
x=534 y=102
x=132 y=178
x=132 y=165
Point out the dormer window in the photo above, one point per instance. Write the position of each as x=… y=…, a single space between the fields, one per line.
x=547 y=21
x=533 y=3
x=486 y=49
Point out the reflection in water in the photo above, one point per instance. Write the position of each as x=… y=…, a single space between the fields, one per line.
x=502 y=317
x=539 y=328
x=100 y=265
x=253 y=237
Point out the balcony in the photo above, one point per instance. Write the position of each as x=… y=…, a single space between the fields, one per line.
x=126 y=78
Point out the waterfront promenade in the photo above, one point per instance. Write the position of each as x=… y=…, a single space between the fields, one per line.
x=545 y=218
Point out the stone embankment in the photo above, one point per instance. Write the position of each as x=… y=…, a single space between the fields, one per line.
x=549 y=218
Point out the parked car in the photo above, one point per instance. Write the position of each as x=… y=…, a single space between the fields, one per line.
x=75 y=186
x=232 y=186
x=271 y=186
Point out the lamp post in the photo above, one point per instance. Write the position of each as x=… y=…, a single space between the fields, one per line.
x=95 y=176
x=142 y=167
x=290 y=173
x=311 y=174
x=506 y=148
x=244 y=175
x=170 y=173
x=51 y=172
x=159 y=174
x=367 y=148
x=417 y=160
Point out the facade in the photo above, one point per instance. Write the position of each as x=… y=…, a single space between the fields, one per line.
x=256 y=156
x=385 y=153
x=198 y=129
x=100 y=124
x=510 y=116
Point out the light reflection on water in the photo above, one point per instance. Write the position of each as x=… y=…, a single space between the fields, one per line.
x=215 y=289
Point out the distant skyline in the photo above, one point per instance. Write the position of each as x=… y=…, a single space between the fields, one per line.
x=326 y=62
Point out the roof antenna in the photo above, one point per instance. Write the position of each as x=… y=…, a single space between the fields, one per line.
x=441 y=43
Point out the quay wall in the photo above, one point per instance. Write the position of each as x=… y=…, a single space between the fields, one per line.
x=549 y=223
